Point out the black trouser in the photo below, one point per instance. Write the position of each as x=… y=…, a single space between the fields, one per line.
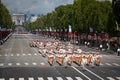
x=118 y=53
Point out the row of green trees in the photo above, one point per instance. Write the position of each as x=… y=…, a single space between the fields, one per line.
x=81 y=15
x=5 y=17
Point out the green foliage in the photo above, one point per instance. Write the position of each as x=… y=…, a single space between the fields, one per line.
x=80 y=14
x=5 y=18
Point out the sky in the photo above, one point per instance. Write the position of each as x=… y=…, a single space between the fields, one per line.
x=36 y=7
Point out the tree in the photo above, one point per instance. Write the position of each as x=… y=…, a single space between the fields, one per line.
x=5 y=18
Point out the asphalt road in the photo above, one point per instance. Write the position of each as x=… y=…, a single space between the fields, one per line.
x=19 y=61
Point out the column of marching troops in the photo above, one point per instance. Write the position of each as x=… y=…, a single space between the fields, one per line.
x=65 y=53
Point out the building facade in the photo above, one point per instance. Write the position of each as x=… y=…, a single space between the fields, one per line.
x=18 y=18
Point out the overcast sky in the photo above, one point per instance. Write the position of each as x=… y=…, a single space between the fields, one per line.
x=33 y=6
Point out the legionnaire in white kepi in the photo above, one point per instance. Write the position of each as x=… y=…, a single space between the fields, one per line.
x=118 y=51
x=84 y=61
x=66 y=60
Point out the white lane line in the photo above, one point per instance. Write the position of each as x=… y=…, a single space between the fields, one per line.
x=18 y=54
x=0 y=55
x=101 y=64
x=9 y=64
x=23 y=54
x=110 y=78
x=26 y=63
x=18 y=64
x=50 y=78
x=35 y=54
x=81 y=73
x=69 y=78
x=116 y=64
x=34 y=63
x=108 y=64
x=2 y=79
x=11 y=78
x=42 y=63
x=29 y=54
x=118 y=78
x=40 y=78
x=6 y=55
x=94 y=74
x=11 y=55
x=59 y=78
x=1 y=64
x=21 y=79
x=78 y=78
x=31 y=78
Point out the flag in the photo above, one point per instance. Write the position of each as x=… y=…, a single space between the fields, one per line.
x=90 y=28
x=69 y=26
x=69 y=29
x=117 y=26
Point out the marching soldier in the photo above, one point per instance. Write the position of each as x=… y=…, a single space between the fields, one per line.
x=83 y=62
x=66 y=60
x=118 y=51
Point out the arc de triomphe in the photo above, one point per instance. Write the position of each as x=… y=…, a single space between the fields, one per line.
x=18 y=18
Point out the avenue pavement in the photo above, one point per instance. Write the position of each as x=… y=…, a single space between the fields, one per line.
x=19 y=61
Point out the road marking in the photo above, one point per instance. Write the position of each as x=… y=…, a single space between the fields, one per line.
x=94 y=74
x=17 y=64
x=21 y=78
x=35 y=54
x=11 y=55
x=101 y=64
x=78 y=78
x=18 y=54
x=116 y=64
x=29 y=54
x=40 y=78
x=26 y=63
x=11 y=78
x=42 y=63
x=118 y=78
x=81 y=73
x=59 y=78
x=108 y=64
x=6 y=55
x=9 y=64
x=0 y=55
x=34 y=63
x=69 y=78
x=110 y=78
x=23 y=54
x=50 y=78
x=1 y=64
x=2 y=79
x=30 y=78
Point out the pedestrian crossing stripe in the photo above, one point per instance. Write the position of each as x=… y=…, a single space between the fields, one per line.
x=118 y=78
x=50 y=78
x=78 y=78
x=30 y=78
x=57 y=78
x=21 y=78
x=40 y=78
x=12 y=79
x=69 y=78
